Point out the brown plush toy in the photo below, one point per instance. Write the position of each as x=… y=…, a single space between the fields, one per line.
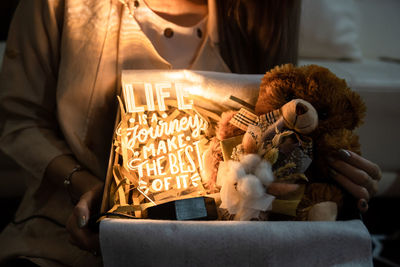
x=339 y=110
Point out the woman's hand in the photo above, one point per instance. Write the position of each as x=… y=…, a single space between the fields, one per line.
x=357 y=175
x=78 y=223
x=86 y=190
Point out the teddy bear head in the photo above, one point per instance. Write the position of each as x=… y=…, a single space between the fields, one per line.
x=337 y=105
x=340 y=110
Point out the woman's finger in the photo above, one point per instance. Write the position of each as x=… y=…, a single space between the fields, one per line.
x=281 y=189
x=76 y=237
x=82 y=213
x=82 y=237
x=359 y=162
x=356 y=175
x=354 y=189
x=77 y=224
x=87 y=203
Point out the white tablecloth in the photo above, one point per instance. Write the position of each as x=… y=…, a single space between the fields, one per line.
x=217 y=243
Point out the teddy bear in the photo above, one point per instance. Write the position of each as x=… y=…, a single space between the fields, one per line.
x=277 y=138
x=339 y=111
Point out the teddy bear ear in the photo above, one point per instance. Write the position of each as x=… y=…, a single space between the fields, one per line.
x=357 y=109
x=277 y=87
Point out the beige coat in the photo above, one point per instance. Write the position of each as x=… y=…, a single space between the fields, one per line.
x=58 y=84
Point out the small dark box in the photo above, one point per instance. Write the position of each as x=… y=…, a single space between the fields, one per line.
x=198 y=208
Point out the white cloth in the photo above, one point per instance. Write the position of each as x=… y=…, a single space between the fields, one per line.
x=217 y=243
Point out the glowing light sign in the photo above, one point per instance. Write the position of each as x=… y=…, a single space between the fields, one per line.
x=161 y=139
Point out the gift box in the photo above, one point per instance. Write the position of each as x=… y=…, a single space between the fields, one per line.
x=146 y=242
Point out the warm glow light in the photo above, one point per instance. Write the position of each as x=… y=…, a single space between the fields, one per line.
x=162 y=143
x=194 y=90
x=163 y=91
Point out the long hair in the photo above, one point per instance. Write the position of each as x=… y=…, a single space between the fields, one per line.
x=256 y=35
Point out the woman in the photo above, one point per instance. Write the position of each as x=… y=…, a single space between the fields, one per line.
x=58 y=87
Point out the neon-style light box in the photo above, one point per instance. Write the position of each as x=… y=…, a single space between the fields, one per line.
x=159 y=142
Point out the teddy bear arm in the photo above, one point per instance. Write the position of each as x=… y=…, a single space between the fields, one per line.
x=319 y=202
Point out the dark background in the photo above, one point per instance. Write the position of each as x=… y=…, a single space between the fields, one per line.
x=8 y=204
x=7 y=8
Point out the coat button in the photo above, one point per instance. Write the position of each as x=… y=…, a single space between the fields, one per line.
x=199 y=33
x=168 y=32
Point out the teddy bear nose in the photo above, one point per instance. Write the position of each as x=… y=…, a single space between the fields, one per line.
x=301 y=109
